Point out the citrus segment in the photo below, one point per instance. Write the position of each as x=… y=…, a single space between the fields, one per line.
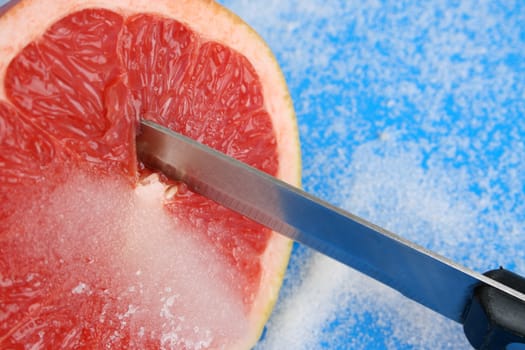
x=61 y=82
x=199 y=88
x=103 y=251
x=27 y=157
x=26 y=151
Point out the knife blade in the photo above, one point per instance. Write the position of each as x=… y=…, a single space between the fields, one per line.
x=420 y=274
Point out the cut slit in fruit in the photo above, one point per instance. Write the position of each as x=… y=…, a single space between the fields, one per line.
x=90 y=252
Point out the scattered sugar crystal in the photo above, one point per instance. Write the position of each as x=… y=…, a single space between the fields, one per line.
x=80 y=288
x=132 y=309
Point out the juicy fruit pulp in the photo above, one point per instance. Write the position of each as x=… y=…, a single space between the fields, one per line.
x=93 y=248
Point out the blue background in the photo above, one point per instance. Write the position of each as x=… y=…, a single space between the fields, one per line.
x=410 y=115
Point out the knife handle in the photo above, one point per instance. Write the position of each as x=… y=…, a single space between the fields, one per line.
x=495 y=319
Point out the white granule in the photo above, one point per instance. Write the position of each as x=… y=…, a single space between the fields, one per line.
x=80 y=288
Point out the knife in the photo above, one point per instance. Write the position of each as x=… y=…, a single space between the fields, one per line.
x=490 y=306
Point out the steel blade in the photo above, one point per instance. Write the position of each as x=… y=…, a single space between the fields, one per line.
x=421 y=275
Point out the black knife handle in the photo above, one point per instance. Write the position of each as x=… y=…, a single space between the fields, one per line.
x=495 y=319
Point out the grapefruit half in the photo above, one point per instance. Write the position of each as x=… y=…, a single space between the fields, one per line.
x=97 y=251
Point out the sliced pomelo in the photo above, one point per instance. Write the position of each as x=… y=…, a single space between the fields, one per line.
x=95 y=250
